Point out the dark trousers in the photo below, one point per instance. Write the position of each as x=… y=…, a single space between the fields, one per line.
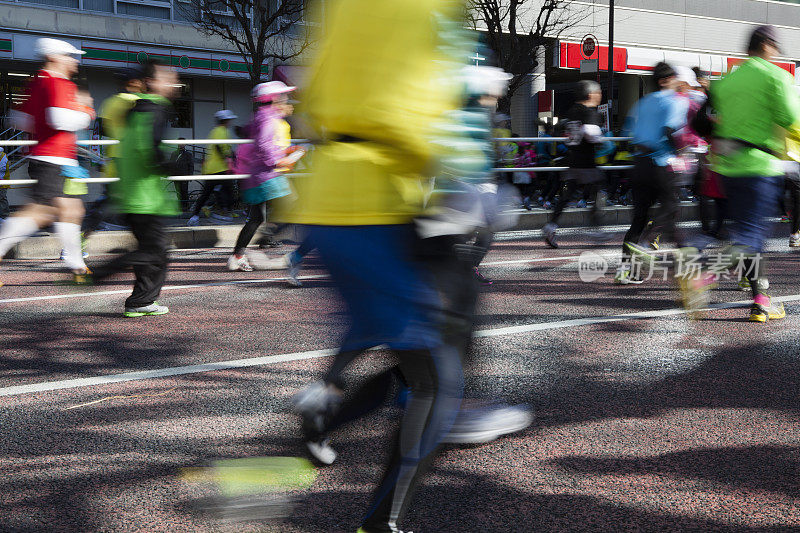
x=4 y=209
x=391 y=300
x=618 y=183
x=149 y=260
x=751 y=201
x=550 y=183
x=569 y=190
x=183 y=195
x=224 y=197
x=255 y=217
x=449 y=261
x=652 y=183
x=712 y=215
x=94 y=215
x=483 y=241
x=793 y=209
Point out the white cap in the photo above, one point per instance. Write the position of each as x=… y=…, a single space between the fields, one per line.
x=54 y=47
x=686 y=75
x=266 y=92
x=225 y=114
x=485 y=80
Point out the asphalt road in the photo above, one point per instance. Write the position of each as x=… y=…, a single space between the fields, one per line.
x=645 y=421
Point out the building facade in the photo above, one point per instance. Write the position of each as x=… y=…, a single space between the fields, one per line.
x=117 y=33
x=711 y=34
x=120 y=33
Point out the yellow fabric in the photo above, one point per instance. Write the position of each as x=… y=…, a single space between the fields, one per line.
x=378 y=76
x=75 y=188
x=793 y=142
x=283 y=133
x=217 y=154
x=113 y=112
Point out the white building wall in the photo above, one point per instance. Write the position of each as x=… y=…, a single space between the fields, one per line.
x=713 y=26
x=237 y=99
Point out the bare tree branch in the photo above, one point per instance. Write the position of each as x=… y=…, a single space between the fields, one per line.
x=515 y=31
x=259 y=29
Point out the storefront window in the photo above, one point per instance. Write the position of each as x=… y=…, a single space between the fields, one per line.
x=182 y=118
x=13 y=92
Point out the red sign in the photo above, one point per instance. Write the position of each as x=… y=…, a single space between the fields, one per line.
x=734 y=62
x=572 y=54
x=546 y=99
x=588 y=46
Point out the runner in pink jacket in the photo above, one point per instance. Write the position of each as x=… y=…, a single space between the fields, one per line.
x=265 y=160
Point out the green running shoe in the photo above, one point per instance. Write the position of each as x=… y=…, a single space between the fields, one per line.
x=626 y=277
x=644 y=255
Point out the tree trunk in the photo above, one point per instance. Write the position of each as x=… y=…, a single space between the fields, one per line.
x=255 y=71
x=504 y=105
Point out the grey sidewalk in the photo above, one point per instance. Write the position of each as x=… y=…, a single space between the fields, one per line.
x=224 y=235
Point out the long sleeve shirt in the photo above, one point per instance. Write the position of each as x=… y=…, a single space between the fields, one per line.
x=755 y=103
x=260 y=158
x=52 y=115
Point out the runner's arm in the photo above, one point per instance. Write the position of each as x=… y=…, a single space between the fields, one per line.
x=65 y=112
x=787 y=106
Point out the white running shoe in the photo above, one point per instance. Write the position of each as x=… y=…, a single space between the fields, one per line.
x=261 y=261
x=322 y=451
x=193 y=221
x=148 y=310
x=486 y=424
x=315 y=398
x=239 y=264
x=277 y=263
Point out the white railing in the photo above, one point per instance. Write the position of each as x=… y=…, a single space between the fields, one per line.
x=202 y=177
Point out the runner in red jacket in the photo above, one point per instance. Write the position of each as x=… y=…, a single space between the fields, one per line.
x=52 y=114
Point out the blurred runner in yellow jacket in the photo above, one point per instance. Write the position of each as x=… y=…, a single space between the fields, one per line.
x=384 y=77
x=113 y=115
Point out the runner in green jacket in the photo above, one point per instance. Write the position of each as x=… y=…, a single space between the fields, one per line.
x=141 y=194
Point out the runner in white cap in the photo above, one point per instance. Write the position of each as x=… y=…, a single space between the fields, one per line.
x=53 y=112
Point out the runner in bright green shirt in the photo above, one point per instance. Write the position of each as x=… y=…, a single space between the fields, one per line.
x=754 y=106
x=750 y=102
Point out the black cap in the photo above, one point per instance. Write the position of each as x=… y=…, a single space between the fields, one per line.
x=700 y=73
x=763 y=34
x=129 y=73
x=662 y=71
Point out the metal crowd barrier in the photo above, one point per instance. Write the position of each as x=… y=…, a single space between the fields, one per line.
x=554 y=169
x=202 y=177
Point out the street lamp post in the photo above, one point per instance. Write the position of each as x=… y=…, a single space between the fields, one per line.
x=611 y=62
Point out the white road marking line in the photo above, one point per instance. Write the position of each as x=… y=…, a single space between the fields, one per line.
x=316 y=354
x=247 y=281
x=546 y=259
x=162 y=372
x=168 y=288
